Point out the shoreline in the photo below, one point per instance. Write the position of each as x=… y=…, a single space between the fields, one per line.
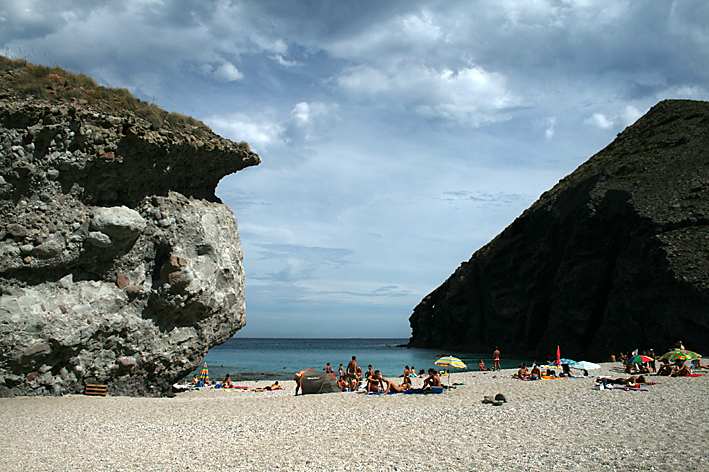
x=545 y=425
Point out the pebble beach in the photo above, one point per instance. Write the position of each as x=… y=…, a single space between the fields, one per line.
x=545 y=425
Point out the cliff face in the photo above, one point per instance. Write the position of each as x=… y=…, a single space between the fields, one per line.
x=614 y=257
x=118 y=264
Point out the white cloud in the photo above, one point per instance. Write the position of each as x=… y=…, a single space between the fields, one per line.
x=259 y=131
x=629 y=115
x=599 y=120
x=308 y=121
x=227 y=72
x=470 y=95
x=286 y=63
x=549 y=133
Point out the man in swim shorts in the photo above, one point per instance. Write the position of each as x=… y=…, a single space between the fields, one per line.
x=496 y=359
x=351 y=373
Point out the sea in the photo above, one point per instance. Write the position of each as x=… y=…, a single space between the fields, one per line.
x=280 y=358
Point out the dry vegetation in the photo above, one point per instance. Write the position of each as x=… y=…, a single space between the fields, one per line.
x=57 y=84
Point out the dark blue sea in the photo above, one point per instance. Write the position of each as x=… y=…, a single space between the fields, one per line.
x=279 y=358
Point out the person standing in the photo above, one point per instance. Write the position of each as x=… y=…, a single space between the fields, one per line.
x=352 y=367
x=496 y=359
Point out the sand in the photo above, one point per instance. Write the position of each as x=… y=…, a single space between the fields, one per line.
x=545 y=425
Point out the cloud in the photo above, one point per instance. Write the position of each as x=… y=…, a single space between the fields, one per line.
x=300 y=263
x=599 y=120
x=470 y=95
x=307 y=121
x=285 y=63
x=260 y=130
x=629 y=115
x=227 y=72
x=485 y=199
x=549 y=133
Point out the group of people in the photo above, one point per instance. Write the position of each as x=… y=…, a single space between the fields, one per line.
x=352 y=379
x=495 y=361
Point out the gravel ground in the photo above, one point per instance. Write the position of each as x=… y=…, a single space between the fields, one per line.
x=545 y=425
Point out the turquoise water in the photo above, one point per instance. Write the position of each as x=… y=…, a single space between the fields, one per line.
x=278 y=358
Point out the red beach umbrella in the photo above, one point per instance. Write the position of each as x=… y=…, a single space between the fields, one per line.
x=558 y=356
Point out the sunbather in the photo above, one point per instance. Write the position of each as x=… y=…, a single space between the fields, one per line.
x=522 y=372
x=374 y=383
x=631 y=381
x=481 y=365
x=433 y=380
x=268 y=388
x=535 y=373
x=391 y=387
x=679 y=369
x=227 y=382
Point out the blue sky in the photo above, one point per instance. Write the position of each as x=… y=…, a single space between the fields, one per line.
x=396 y=138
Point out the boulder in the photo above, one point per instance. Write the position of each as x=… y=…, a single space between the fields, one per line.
x=104 y=276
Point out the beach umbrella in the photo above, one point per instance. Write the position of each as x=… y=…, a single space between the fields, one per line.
x=680 y=354
x=586 y=365
x=568 y=361
x=204 y=374
x=640 y=359
x=558 y=356
x=450 y=361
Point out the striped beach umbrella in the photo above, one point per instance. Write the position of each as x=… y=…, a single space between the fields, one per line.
x=204 y=374
x=641 y=359
x=450 y=361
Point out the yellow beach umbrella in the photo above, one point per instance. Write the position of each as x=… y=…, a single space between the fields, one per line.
x=450 y=361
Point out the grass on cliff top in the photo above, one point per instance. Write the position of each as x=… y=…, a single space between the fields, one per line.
x=57 y=84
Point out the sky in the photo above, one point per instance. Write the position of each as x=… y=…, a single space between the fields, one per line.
x=396 y=138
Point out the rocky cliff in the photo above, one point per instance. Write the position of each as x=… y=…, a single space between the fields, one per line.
x=614 y=257
x=118 y=264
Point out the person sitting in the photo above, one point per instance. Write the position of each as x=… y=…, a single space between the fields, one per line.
x=535 y=373
x=369 y=372
x=227 y=382
x=679 y=369
x=328 y=368
x=195 y=380
x=422 y=373
x=481 y=365
x=374 y=383
x=565 y=370
x=412 y=371
x=522 y=372
x=665 y=369
x=406 y=371
x=433 y=380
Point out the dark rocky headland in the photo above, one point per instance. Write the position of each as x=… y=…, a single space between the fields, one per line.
x=118 y=264
x=614 y=257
